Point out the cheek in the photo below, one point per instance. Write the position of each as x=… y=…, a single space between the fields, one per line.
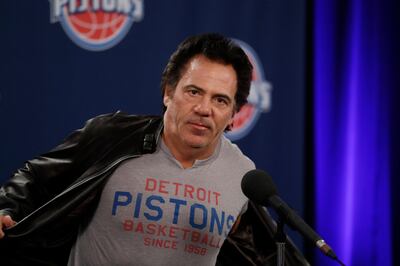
x=225 y=120
x=179 y=112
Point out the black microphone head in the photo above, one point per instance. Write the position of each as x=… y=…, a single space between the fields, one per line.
x=258 y=186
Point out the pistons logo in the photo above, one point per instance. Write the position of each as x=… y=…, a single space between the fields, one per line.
x=258 y=101
x=96 y=25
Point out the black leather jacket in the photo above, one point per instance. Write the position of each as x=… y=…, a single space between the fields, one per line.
x=57 y=191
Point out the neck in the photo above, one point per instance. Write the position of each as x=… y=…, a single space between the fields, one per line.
x=185 y=154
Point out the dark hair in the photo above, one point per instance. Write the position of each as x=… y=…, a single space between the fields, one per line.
x=216 y=48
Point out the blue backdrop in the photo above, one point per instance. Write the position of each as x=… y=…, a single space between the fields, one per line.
x=49 y=86
x=332 y=65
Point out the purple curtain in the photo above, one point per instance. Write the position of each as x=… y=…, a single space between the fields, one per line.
x=352 y=124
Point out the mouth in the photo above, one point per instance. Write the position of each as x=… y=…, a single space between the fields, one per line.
x=199 y=125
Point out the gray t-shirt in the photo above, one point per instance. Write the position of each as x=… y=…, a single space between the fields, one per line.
x=154 y=212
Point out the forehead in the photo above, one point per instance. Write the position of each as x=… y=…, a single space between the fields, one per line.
x=209 y=75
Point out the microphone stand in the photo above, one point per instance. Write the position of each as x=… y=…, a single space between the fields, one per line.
x=280 y=240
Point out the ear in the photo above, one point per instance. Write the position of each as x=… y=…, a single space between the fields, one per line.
x=167 y=96
x=234 y=112
x=231 y=121
x=166 y=100
x=230 y=125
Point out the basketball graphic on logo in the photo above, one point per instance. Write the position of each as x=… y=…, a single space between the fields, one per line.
x=259 y=99
x=96 y=25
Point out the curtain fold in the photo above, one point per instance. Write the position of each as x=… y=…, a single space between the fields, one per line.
x=352 y=142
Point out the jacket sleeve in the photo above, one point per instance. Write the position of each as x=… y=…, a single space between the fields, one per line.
x=47 y=175
x=252 y=243
x=39 y=179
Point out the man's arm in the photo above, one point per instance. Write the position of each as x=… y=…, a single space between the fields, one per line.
x=38 y=181
x=46 y=176
x=42 y=178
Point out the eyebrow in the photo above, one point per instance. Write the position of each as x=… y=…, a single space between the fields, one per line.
x=225 y=96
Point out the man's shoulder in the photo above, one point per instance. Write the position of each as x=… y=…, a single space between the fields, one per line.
x=119 y=121
x=232 y=153
x=120 y=118
x=112 y=127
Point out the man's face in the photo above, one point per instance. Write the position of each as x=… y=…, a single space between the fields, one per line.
x=201 y=106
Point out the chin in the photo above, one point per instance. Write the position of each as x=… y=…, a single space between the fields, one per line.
x=196 y=142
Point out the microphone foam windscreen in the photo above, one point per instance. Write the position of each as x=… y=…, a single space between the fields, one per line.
x=258 y=186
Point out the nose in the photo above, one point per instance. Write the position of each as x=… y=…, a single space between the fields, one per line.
x=203 y=107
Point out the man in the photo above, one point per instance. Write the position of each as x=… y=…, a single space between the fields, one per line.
x=143 y=190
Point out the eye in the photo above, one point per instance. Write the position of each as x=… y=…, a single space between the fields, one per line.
x=193 y=92
x=222 y=101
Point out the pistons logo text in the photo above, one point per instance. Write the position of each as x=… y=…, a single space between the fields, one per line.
x=96 y=25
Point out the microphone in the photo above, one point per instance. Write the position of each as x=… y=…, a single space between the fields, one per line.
x=258 y=186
